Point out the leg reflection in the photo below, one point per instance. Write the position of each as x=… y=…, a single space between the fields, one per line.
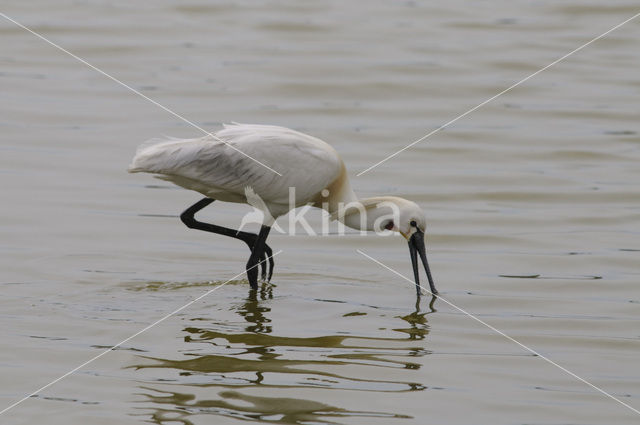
x=255 y=313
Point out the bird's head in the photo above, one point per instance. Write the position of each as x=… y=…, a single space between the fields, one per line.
x=410 y=218
x=407 y=218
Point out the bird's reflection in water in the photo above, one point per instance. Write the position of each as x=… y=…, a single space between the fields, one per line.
x=254 y=313
x=184 y=408
x=418 y=321
x=252 y=357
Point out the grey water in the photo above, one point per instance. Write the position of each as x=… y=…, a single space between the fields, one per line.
x=532 y=202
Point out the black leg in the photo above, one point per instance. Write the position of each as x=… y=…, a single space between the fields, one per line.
x=269 y=255
x=257 y=254
x=250 y=239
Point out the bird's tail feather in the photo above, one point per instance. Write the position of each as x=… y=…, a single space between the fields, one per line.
x=149 y=149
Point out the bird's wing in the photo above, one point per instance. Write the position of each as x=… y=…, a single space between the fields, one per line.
x=216 y=169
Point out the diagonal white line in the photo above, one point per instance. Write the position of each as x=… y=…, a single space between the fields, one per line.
x=497 y=95
x=175 y=114
x=504 y=335
x=44 y=387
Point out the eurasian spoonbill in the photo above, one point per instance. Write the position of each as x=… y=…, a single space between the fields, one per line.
x=222 y=168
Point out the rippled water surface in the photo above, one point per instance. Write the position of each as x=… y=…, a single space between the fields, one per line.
x=533 y=206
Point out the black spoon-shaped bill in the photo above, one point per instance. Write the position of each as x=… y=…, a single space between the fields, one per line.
x=416 y=247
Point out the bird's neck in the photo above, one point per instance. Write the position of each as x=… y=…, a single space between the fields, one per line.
x=368 y=214
x=338 y=193
x=339 y=200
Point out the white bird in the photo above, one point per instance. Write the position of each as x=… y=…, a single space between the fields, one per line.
x=224 y=168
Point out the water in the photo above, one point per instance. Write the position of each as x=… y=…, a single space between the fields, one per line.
x=532 y=205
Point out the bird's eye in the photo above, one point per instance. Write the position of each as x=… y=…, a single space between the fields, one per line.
x=413 y=223
x=389 y=225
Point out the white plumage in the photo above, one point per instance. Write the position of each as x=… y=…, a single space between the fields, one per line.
x=218 y=171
